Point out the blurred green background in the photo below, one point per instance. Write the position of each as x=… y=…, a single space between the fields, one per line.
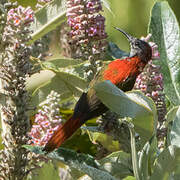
x=133 y=17
x=130 y=15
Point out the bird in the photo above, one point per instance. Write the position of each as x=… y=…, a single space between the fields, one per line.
x=121 y=72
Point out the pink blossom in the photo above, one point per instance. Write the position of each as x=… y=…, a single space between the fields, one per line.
x=87 y=25
x=150 y=82
x=47 y=121
x=155 y=53
x=20 y=15
x=155 y=94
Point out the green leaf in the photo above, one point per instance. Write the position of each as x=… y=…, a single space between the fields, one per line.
x=84 y=145
x=166 y=163
x=147 y=157
x=46 y=172
x=48 y=18
x=82 y=162
x=34 y=149
x=176 y=174
x=65 y=76
x=39 y=79
x=130 y=178
x=96 y=135
x=105 y=140
x=56 y=64
x=170 y=116
x=65 y=155
x=68 y=66
x=66 y=84
x=25 y=3
x=175 y=129
x=165 y=30
x=92 y=129
x=115 y=52
x=133 y=104
x=134 y=152
x=117 y=164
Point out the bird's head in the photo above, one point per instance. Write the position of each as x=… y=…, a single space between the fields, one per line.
x=139 y=47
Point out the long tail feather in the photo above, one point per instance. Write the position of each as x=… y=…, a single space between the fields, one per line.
x=63 y=133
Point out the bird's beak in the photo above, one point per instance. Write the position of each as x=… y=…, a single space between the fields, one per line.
x=129 y=37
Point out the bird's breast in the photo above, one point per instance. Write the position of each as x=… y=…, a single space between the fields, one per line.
x=119 y=70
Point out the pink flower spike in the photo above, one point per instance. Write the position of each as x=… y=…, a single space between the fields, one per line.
x=39 y=117
x=45 y=124
x=17 y=21
x=20 y=15
x=20 y=9
x=155 y=53
x=47 y=120
x=155 y=94
x=86 y=28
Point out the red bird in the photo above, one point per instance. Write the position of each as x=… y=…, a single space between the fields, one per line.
x=121 y=72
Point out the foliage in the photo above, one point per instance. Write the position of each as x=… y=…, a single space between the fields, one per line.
x=168 y=41
x=67 y=77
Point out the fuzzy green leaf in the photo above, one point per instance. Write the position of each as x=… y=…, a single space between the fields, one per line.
x=133 y=104
x=65 y=76
x=56 y=64
x=170 y=116
x=166 y=163
x=48 y=18
x=65 y=83
x=70 y=66
x=46 y=172
x=147 y=157
x=130 y=178
x=118 y=164
x=82 y=162
x=165 y=30
x=175 y=128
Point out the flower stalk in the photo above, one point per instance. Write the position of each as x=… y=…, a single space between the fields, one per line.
x=47 y=120
x=87 y=28
x=150 y=82
x=84 y=36
x=15 y=68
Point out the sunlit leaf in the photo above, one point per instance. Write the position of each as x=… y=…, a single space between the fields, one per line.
x=170 y=116
x=165 y=30
x=65 y=76
x=147 y=157
x=56 y=64
x=46 y=172
x=65 y=84
x=175 y=128
x=81 y=162
x=133 y=104
x=166 y=163
x=48 y=18
x=118 y=164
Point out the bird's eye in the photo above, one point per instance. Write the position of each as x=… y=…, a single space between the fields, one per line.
x=136 y=43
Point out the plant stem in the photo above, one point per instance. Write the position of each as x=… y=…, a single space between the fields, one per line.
x=14 y=70
x=133 y=151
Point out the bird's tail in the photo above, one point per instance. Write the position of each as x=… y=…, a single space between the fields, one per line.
x=63 y=133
